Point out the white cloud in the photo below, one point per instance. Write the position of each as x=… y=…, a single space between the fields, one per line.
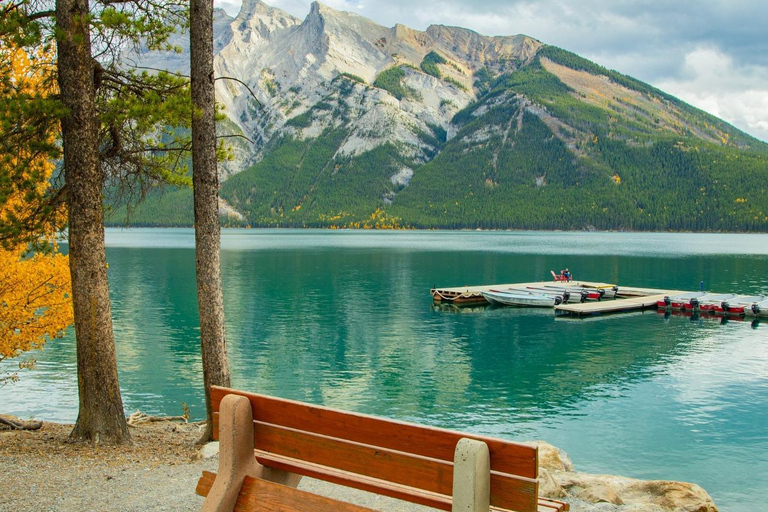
x=712 y=81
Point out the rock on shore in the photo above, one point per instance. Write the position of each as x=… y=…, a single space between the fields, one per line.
x=608 y=493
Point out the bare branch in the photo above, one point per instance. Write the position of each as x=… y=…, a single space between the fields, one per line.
x=244 y=85
x=180 y=75
x=235 y=135
x=40 y=15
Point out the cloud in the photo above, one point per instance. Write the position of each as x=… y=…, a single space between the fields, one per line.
x=715 y=82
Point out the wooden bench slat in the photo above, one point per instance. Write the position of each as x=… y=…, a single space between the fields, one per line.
x=550 y=505
x=337 y=476
x=559 y=505
x=371 y=461
x=430 y=442
x=259 y=495
x=403 y=492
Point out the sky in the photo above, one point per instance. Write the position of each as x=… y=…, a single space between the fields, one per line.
x=712 y=54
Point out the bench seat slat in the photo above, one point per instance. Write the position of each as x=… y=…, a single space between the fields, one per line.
x=384 y=488
x=430 y=442
x=257 y=495
x=546 y=505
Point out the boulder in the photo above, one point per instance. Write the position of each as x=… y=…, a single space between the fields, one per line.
x=600 y=494
x=636 y=494
x=548 y=486
x=552 y=458
x=678 y=496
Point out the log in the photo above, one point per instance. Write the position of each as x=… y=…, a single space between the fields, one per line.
x=18 y=424
x=138 y=418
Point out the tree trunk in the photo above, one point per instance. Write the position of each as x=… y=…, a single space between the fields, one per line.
x=205 y=180
x=101 y=418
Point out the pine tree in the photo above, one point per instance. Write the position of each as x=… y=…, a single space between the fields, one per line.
x=117 y=129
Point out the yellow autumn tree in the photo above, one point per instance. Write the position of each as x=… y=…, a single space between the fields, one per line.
x=35 y=290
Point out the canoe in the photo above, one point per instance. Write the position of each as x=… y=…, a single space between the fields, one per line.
x=678 y=301
x=521 y=298
x=738 y=305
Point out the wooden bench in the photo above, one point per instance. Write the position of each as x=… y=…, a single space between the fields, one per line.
x=267 y=444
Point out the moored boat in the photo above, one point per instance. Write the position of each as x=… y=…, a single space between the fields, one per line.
x=592 y=293
x=738 y=305
x=609 y=292
x=759 y=309
x=678 y=301
x=568 y=296
x=708 y=302
x=522 y=298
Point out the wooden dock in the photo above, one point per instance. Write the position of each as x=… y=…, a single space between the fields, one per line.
x=610 y=306
x=631 y=291
x=628 y=298
x=474 y=294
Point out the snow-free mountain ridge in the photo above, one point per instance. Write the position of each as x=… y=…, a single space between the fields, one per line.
x=347 y=123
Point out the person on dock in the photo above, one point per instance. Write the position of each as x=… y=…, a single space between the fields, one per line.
x=567 y=275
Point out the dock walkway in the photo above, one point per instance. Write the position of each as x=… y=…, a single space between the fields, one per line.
x=610 y=306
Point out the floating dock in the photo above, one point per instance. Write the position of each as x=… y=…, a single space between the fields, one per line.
x=628 y=298
x=474 y=294
x=610 y=306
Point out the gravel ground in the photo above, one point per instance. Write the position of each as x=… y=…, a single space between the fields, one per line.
x=42 y=472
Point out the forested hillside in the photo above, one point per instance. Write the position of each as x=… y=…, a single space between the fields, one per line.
x=581 y=166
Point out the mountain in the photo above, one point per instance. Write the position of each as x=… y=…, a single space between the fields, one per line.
x=335 y=121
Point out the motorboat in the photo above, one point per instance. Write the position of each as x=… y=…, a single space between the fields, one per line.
x=568 y=295
x=759 y=309
x=522 y=298
x=678 y=301
x=708 y=302
x=592 y=293
x=738 y=305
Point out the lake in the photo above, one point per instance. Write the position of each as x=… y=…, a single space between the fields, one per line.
x=345 y=319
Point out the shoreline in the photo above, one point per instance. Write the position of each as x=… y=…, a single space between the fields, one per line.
x=159 y=472
x=459 y=230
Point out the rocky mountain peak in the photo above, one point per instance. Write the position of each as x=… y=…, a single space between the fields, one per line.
x=257 y=20
x=319 y=9
x=341 y=20
x=251 y=7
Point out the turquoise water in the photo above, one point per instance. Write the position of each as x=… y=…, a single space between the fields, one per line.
x=345 y=319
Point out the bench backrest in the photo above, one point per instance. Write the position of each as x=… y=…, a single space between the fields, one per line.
x=393 y=458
